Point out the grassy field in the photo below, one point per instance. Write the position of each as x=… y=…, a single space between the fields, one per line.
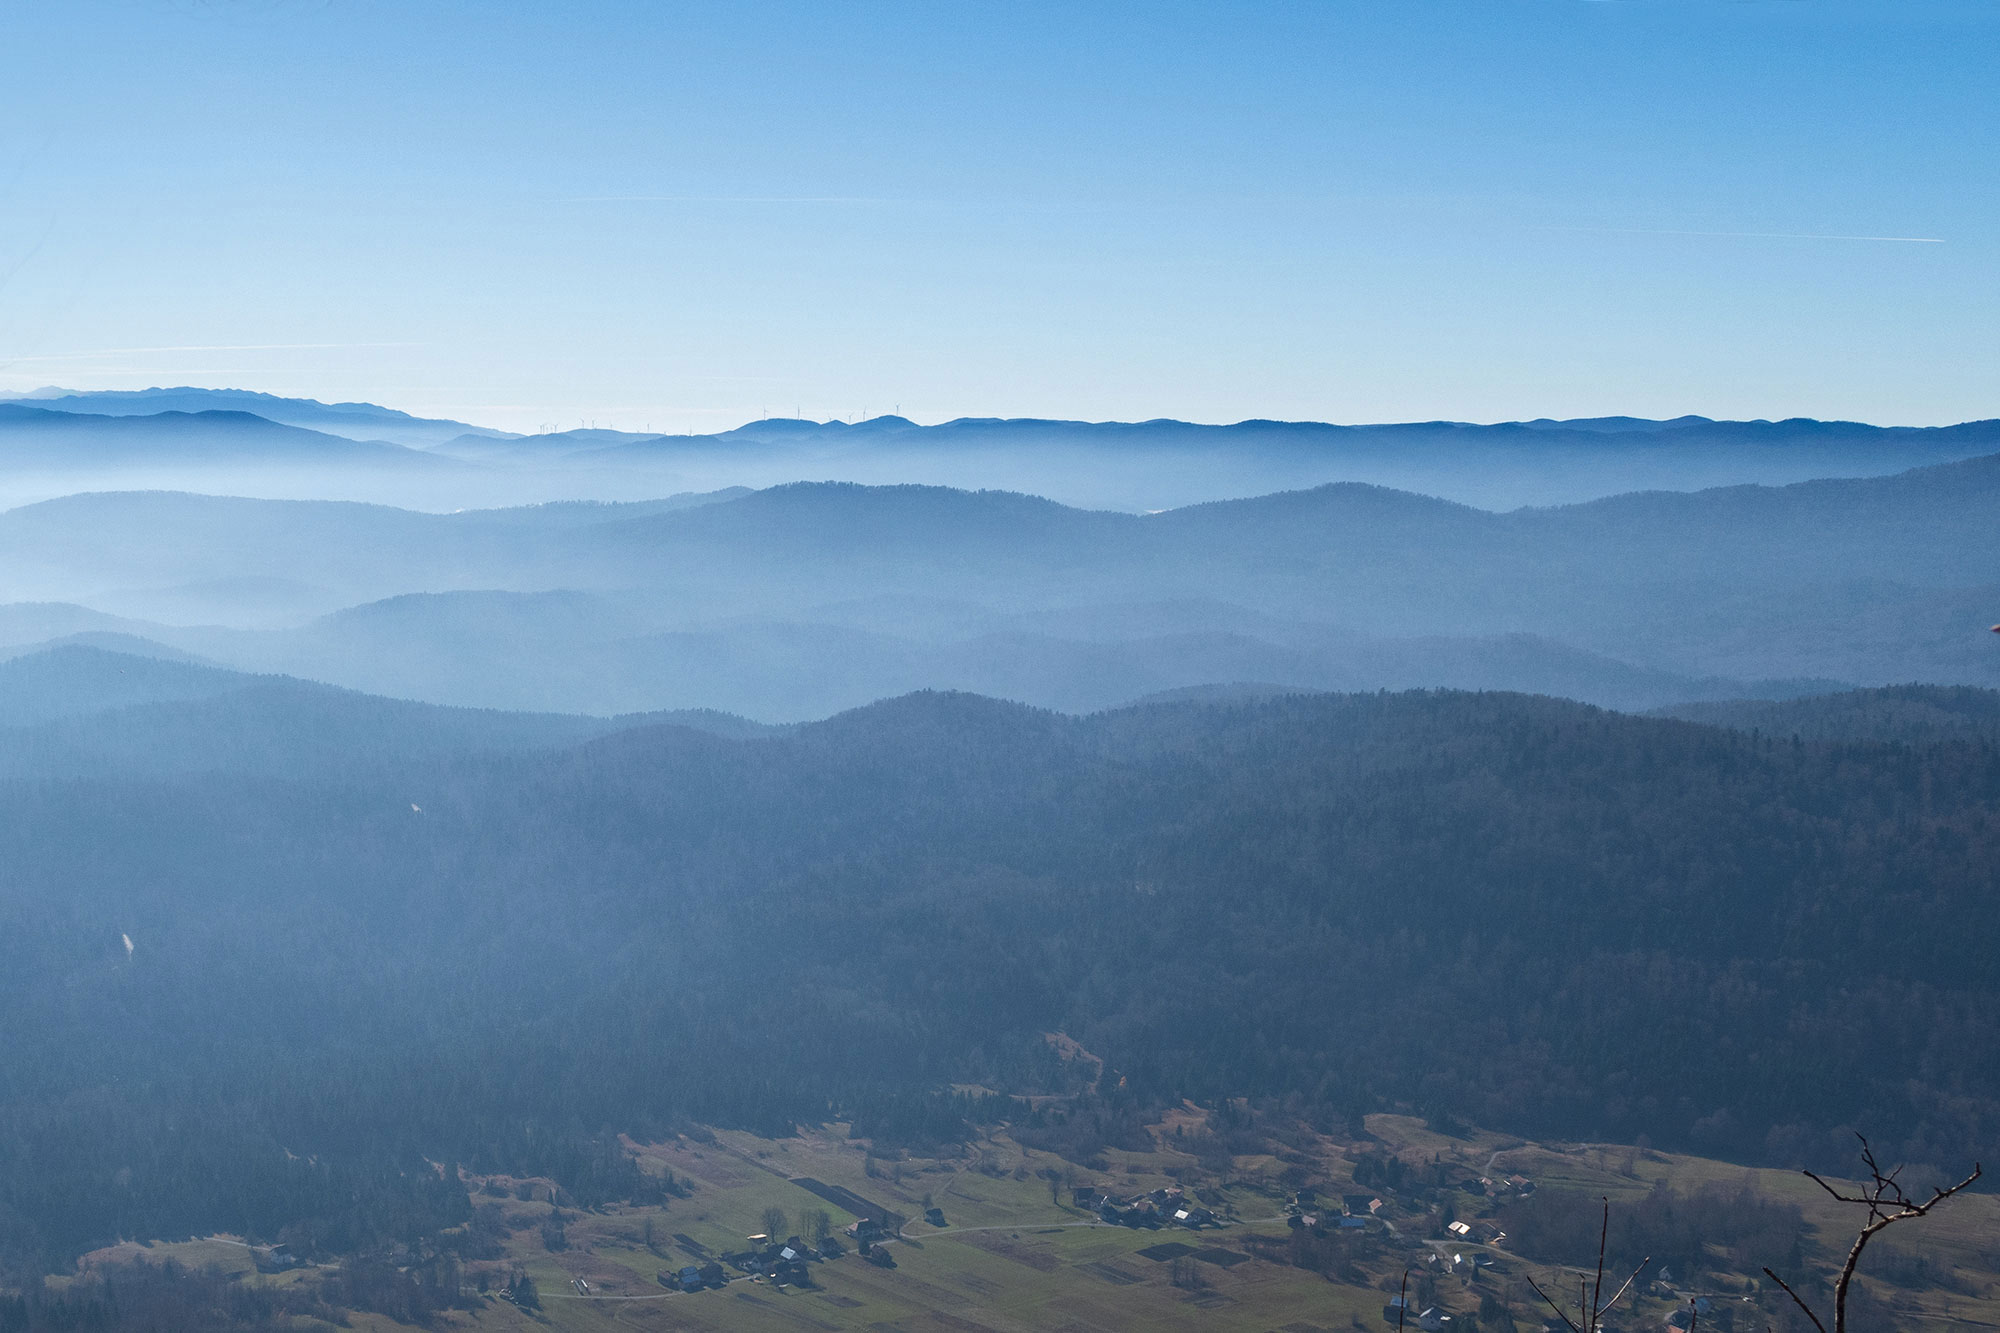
x=1014 y=1258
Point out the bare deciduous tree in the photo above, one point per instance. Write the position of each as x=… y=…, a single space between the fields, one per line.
x=1887 y=1204
x=1593 y=1310
x=819 y=1226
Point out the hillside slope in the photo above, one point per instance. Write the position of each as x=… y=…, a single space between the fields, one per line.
x=803 y=599
x=1902 y=714
x=1527 y=912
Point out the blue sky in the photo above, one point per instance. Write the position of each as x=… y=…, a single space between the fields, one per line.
x=686 y=216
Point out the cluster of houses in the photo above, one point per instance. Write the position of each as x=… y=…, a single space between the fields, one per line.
x=694 y=1277
x=1465 y=1267
x=1167 y=1207
x=1307 y=1212
x=1691 y=1313
x=1479 y=1233
x=780 y=1261
x=1688 y=1316
x=1401 y=1313
x=866 y=1232
x=1498 y=1187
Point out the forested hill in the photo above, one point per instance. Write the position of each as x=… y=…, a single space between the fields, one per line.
x=78 y=711
x=798 y=601
x=1132 y=465
x=1909 y=713
x=1517 y=910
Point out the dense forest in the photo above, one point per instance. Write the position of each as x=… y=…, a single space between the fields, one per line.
x=291 y=1006
x=1908 y=713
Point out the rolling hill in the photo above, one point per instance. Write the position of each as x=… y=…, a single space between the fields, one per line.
x=354 y=421
x=40 y=437
x=1127 y=466
x=77 y=710
x=1163 y=464
x=1896 y=714
x=799 y=600
x=421 y=946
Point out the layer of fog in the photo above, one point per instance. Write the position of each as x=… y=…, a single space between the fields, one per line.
x=1131 y=468
x=797 y=602
x=1127 y=483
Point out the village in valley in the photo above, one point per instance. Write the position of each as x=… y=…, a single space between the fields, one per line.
x=1271 y=1227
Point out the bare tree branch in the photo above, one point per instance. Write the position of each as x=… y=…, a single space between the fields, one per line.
x=1796 y=1301
x=1620 y=1293
x=1887 y=1203
x=1597 y=1292
x=1539 y=1292
x=1597 y=1307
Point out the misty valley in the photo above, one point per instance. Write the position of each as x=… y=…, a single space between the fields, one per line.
x=458 y=879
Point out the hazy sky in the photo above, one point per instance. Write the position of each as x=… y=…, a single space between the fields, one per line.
x=684 y=216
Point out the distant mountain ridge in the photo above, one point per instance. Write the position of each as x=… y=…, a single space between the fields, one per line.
x=1127 y=465
x=801 y=599
x=1974 y=435
x=357 y=421
x=39 y=436
x=1169 y=464
x=798 y=599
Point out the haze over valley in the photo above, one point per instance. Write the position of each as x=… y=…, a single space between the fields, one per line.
x=239 y=443
x=1021 y=669
x=580 y=840
x=795 y=601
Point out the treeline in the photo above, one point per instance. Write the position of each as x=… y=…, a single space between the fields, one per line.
x=1495 y=909
x=164 y=1298
x=169 y=1297
x=1732 y=1227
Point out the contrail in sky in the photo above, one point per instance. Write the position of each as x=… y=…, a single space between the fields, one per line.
x=214 y=347
x=723 y=199
x=1755 y=235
